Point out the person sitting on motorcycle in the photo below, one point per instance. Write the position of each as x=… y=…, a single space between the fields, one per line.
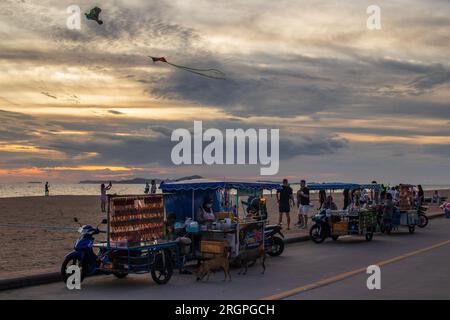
x=329 y=204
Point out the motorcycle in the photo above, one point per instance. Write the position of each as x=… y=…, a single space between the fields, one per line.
x=273 y=241
x=321 y=229
x=83 y=255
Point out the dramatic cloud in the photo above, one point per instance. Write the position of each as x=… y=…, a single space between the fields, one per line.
x=349 y=102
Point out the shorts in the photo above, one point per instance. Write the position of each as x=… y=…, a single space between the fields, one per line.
x=303 y=209
x=283 y=207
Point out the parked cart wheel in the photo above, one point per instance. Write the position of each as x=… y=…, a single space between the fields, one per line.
x=369 y=236
x=423 y=221
x=277 y=247
x=72 y=261
x=317 y=234
x=411 y=229
x=162 y=268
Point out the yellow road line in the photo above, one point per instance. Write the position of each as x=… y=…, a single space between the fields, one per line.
x=345 y=275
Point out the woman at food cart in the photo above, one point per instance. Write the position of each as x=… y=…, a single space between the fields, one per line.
x=205 y=213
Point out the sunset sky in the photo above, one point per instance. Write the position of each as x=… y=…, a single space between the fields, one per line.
x=351 y=104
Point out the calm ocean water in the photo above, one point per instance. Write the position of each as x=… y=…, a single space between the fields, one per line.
x=8 y=190
x=37 y=189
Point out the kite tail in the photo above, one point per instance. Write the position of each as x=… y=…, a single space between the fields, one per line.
x=209 y=73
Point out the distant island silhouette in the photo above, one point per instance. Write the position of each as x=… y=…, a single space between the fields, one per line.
x=139 y=180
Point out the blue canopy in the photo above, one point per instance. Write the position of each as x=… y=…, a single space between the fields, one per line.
x=185 y=197
x=342 y=185
x=332 y=186
x=205 y=184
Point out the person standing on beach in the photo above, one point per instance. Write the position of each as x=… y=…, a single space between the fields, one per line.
x=153 y=189
x=285 y=198
x=47 y=189
x=303 y=205
x=147 y=188
x=103 y=197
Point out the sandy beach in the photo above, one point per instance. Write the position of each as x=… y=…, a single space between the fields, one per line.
x=26 y=248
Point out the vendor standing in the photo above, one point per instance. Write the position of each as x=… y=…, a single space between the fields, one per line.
x=205 y=213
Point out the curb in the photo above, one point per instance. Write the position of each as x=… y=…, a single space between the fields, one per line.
x=45 y=278
x=32 y=280
x=296 y=239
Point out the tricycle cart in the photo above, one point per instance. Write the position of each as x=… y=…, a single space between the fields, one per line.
x=134 y=243
x=405 y=214
x=335 y=223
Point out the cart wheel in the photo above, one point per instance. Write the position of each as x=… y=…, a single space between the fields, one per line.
x=120 y=275
x=277 y=247
x=334 y=238
x=423 y=221
x=70 y=261
x=162 y=269
x=411 y=229
x=317 y=234
x=369 y=236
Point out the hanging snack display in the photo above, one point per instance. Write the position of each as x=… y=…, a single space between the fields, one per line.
x=135 y=218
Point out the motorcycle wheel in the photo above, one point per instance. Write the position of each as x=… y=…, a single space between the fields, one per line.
x=277 y=247
x=317 y=234
x=423 y=221
x=70 y=261
x=162 y=269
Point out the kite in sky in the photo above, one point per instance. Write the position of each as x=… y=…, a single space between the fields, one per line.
x=208 y=73
x=94 y=15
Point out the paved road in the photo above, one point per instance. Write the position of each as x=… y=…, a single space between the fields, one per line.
x=305 y=271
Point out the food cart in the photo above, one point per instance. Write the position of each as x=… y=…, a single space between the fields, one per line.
x=135 y=239
x=405 y=214
x=354 y=220
x=236 y=229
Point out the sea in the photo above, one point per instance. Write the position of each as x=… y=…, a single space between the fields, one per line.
x=9 y=190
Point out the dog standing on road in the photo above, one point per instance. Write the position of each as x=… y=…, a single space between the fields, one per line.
x=212 y=265
x=251 y=255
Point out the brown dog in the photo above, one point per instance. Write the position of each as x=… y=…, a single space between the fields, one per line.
x=212 y=265
x=251 y=255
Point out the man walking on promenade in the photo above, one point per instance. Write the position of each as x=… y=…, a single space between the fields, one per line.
x=303 y=205
x=285 y=198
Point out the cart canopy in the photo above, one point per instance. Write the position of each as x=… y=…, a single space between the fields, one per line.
x=185 y=197
x=207 y=184
x=333 y=186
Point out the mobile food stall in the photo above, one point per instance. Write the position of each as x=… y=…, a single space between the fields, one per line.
x=135 y=241
x=354 y=220
x=233 y=230
x=405 y=215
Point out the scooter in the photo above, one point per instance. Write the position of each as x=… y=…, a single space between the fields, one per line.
x=321 y=229
x=273 y=241
x=83 y=255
